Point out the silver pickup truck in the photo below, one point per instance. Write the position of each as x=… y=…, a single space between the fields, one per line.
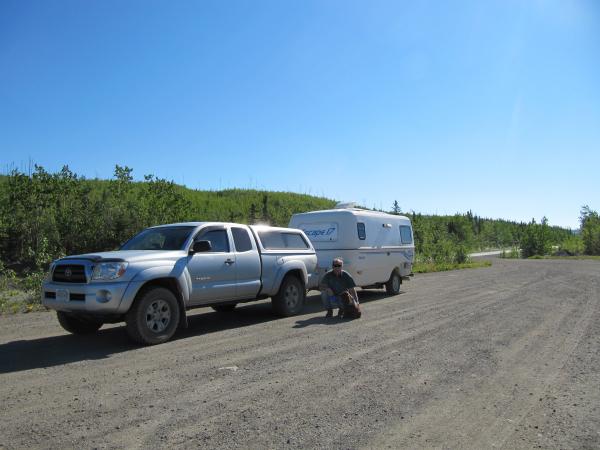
x=162 y=272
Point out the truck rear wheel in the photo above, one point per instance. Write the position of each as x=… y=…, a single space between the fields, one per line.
x=290 y=298
x=76 y=324
x=392 y=287
x=154 y=317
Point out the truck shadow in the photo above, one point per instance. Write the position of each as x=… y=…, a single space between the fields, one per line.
x=52 y=351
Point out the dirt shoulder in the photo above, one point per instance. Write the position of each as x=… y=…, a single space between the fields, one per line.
x=507 y=356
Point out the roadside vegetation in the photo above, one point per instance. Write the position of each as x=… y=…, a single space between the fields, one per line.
x=44 y=216
x=19 y=294
x=421 y=267
x=539 y=242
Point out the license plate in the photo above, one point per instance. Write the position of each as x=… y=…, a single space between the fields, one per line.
x=62 y=295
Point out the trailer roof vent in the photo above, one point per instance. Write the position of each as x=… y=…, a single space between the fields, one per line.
x=346 y=205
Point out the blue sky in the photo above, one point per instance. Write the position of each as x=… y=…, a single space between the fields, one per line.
x=443 y=106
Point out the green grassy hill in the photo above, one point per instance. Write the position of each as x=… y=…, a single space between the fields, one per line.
x=46 y=215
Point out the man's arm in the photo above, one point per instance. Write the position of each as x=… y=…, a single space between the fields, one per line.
x=351 y=285
x=324 y=286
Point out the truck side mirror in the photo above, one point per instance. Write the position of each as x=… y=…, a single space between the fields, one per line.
x=200 y=246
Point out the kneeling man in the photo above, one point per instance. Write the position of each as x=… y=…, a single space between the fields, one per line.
x=335 y=283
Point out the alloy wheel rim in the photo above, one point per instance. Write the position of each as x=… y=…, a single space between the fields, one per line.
x=158 y=316
x=292 y=296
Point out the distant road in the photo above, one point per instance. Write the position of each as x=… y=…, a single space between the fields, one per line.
x=490 y=253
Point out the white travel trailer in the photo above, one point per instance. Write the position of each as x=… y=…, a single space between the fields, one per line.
x=377 y=248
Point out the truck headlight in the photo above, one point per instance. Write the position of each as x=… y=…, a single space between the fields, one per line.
x=109 y=270
x=50 y=270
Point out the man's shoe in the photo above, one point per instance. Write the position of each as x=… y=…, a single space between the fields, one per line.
x=340 y=313
x=329 y=313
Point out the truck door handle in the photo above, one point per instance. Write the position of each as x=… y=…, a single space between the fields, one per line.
x=229 y=261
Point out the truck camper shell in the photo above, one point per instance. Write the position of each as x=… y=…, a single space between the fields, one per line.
x=377 y=248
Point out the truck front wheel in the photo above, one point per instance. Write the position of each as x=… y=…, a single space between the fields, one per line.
x=153 y=318
x=76 y=324
x=290 y=298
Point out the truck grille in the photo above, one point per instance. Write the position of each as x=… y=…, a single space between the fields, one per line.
x=69 y=273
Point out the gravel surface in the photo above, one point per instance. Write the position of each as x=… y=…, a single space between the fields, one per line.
x=506 y=357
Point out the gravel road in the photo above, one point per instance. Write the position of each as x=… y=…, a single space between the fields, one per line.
x=506 y=356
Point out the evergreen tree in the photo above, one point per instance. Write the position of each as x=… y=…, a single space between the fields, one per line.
x=536 y=239
x=265 y=209
x=590 y=231
x=252 y=217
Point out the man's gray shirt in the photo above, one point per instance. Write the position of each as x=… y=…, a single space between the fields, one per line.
x=338 y=284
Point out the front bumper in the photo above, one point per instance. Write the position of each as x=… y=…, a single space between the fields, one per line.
x=92 y=298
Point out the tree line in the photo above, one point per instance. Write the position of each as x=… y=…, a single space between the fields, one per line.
x=45 y=215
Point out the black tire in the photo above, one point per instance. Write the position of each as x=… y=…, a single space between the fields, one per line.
x=76 y=324
x=290 y=298
x=154 y=317
x=224 y=308
x=392 y=287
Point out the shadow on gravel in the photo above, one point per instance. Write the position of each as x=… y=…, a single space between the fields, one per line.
x=51 y=351
x=55 y=350
x=363 y=296
x=245 y=314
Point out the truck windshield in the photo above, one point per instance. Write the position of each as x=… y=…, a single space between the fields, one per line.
x=161 y=238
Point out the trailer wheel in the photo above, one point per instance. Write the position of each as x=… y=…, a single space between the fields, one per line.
x=76 y=324
x=154 y=317
x=290 y=298
x=392 y=287
x=224 y=308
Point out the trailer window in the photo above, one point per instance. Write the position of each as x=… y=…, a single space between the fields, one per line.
x=362 y=234
x=276 y=240
x=241 y=239
x=405 y=234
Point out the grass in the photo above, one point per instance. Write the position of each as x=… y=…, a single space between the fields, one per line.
x=513 y=253
x=441 y=267
x=20 y=295
x=14 y=301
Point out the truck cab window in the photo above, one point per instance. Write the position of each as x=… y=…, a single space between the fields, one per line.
x=218 y=240
x=241 y=239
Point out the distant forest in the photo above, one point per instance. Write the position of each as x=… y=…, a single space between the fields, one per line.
x=47 y=215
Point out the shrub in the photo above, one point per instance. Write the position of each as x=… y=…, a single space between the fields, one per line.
x=536 y=239
x=590 y=231
x=572 y=246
